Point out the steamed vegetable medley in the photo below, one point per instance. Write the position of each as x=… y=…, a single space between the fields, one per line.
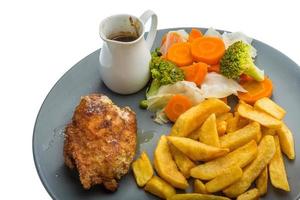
x=190 y=67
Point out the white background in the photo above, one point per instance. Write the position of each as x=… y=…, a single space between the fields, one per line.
x=40 y=40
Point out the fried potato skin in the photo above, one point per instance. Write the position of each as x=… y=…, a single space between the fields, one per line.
x=166 y=167
x=196 y=150
x=252 y=194
x=262 y=182
x=224 y=116
x=199 y=187
x=286 y=141
x=241 y=136
x=221 y=127
x=261 y=117
x=267 y=105
x=159 y=187
x=268 y=131
x=241 y=156
x=266 y=151
x=142 y=169
x=242 y=122
x=221 y=122
x=228 y=177
x=182 y=161
x=232 y=124
x=277 y=169
x=195 y=134
x=195 y=116
x=208 y=133
x=196 y=196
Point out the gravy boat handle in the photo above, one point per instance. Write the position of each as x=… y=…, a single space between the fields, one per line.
x=153 y=28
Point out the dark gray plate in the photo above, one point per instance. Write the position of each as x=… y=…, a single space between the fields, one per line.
x=83 y=78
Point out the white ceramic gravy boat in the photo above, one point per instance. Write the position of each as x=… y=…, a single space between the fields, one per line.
x=124 y=66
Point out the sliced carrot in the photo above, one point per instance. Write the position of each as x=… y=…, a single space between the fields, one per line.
x=256 y=90
x=177 y=105
x=195 y=72
x=214 y=68
x=180 y=54
x=194 y=34
x=208 y=49
x=245 y=78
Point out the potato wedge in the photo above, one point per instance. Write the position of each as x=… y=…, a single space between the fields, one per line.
x=252 y=194
x=208 y=133
x=266 y=151
x=166 y=167
x=195 y=134
x=277 y=169
x=224 y=116
x=142 y=169
x=241 y=156
x=196 y=196
x=261 y=117
x=159 y=187
x=199 y=187
x=232 y=124
x=195 y=116
x=268 y=131
x=183 y=163
x=237 y=105
x=258 y=136
x=240 y=137
x=242 y=122
x=286 y=141
x=221 y=127
x=262 y=182
x=222 y=123
x=267 y=105
x=229 y=176
x=196 y=150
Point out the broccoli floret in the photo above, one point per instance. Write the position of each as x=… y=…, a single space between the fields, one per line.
x=237 y=60
x=163 y=72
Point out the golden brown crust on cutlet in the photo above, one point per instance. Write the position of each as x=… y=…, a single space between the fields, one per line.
x=100 y=141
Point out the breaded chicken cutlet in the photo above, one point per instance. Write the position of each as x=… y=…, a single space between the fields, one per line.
x=100 y=141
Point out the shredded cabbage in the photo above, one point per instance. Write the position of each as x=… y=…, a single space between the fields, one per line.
x=157 y=103
x=183 y=37
x=186 y=88
x=161 y=117
x=218 y=86
x=213 y=33
x=230 y=38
